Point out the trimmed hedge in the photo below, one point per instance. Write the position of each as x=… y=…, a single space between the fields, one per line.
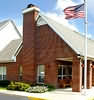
x=50 y=87
x=20 y=86
x=4 y=83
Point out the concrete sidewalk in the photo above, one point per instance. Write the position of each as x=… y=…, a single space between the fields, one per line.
x=58 y=94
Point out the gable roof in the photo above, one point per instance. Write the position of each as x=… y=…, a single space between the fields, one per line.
x=4 y=23
x=8 y=32
x=9 y=52
x=74 y=39
x=10 y=46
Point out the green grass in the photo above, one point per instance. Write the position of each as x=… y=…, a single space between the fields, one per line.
x=92 y=98
x=3 y=88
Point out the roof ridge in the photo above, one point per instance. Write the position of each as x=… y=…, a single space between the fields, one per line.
x=76 y=32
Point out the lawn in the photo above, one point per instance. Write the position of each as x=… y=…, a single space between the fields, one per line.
x=91 y=98
x=3 y=88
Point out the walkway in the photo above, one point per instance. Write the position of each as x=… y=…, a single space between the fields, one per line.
x=58 y=94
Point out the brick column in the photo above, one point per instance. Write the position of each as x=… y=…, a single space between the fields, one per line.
x=76 y=75
x=51 y=75
x=89 y=74
x=93 y=76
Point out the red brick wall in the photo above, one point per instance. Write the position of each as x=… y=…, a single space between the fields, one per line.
x=29 y=31
x=41 y=45
x=50 y=46
x=93 y=76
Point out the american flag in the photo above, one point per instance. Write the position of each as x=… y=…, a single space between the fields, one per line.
x=73 y=12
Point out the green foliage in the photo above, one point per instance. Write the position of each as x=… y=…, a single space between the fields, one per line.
x=4 y=83
x=37 y=89
x=50 y=87
x=20 y=86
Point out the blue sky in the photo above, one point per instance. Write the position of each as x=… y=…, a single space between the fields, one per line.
x=12 y=9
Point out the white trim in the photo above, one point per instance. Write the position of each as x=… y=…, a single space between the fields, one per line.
x=15 y=53
x=40 y=21
x=65 y=59
x=38 y=72
x=14 y=58
x=7 y=61
x=30 y=9
x=62 y=70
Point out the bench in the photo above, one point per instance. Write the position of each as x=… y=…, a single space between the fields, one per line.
x=65 y=82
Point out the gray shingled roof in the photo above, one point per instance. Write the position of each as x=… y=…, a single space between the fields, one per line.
x=8 y=53
x=74 y=39
x=4 y=23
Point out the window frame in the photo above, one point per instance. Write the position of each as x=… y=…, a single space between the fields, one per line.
x=62 y=71
x=40 y=75
x=3 y=72
x=20 y=73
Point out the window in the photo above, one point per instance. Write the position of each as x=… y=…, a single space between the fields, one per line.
x=40 y=73
x=20 y=72
x=64 y=71
x=3 y=73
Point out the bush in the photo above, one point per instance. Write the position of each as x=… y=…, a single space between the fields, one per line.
x=4 y=83
x=37 y=89
x=18 y=86
x=50 y=87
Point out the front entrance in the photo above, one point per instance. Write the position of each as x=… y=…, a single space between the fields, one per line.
x=64 y=76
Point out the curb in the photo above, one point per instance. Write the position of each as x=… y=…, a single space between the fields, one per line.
x=34 y=98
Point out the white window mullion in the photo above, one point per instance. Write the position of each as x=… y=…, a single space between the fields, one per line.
x=2 y=73
x=62 y=73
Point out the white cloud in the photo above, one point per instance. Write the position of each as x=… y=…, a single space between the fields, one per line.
x=61 y=4
x=60 y=17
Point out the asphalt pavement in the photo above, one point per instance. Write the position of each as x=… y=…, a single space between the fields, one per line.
x=12 y=97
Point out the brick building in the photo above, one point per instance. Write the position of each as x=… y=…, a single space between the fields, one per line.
x=48 y=53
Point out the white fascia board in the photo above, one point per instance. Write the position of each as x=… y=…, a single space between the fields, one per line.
x=75 y=50
x=7 y=61
x=17 y=50
x=41 y=21
x=30 y=9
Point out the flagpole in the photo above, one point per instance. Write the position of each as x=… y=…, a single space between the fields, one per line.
x=85 y=55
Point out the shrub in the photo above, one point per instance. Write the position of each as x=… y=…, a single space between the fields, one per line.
x=4 y=83
x=18 y=86
x=50 y=87
x=37 y=89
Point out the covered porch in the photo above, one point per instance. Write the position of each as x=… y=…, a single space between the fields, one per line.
x=71 y=73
